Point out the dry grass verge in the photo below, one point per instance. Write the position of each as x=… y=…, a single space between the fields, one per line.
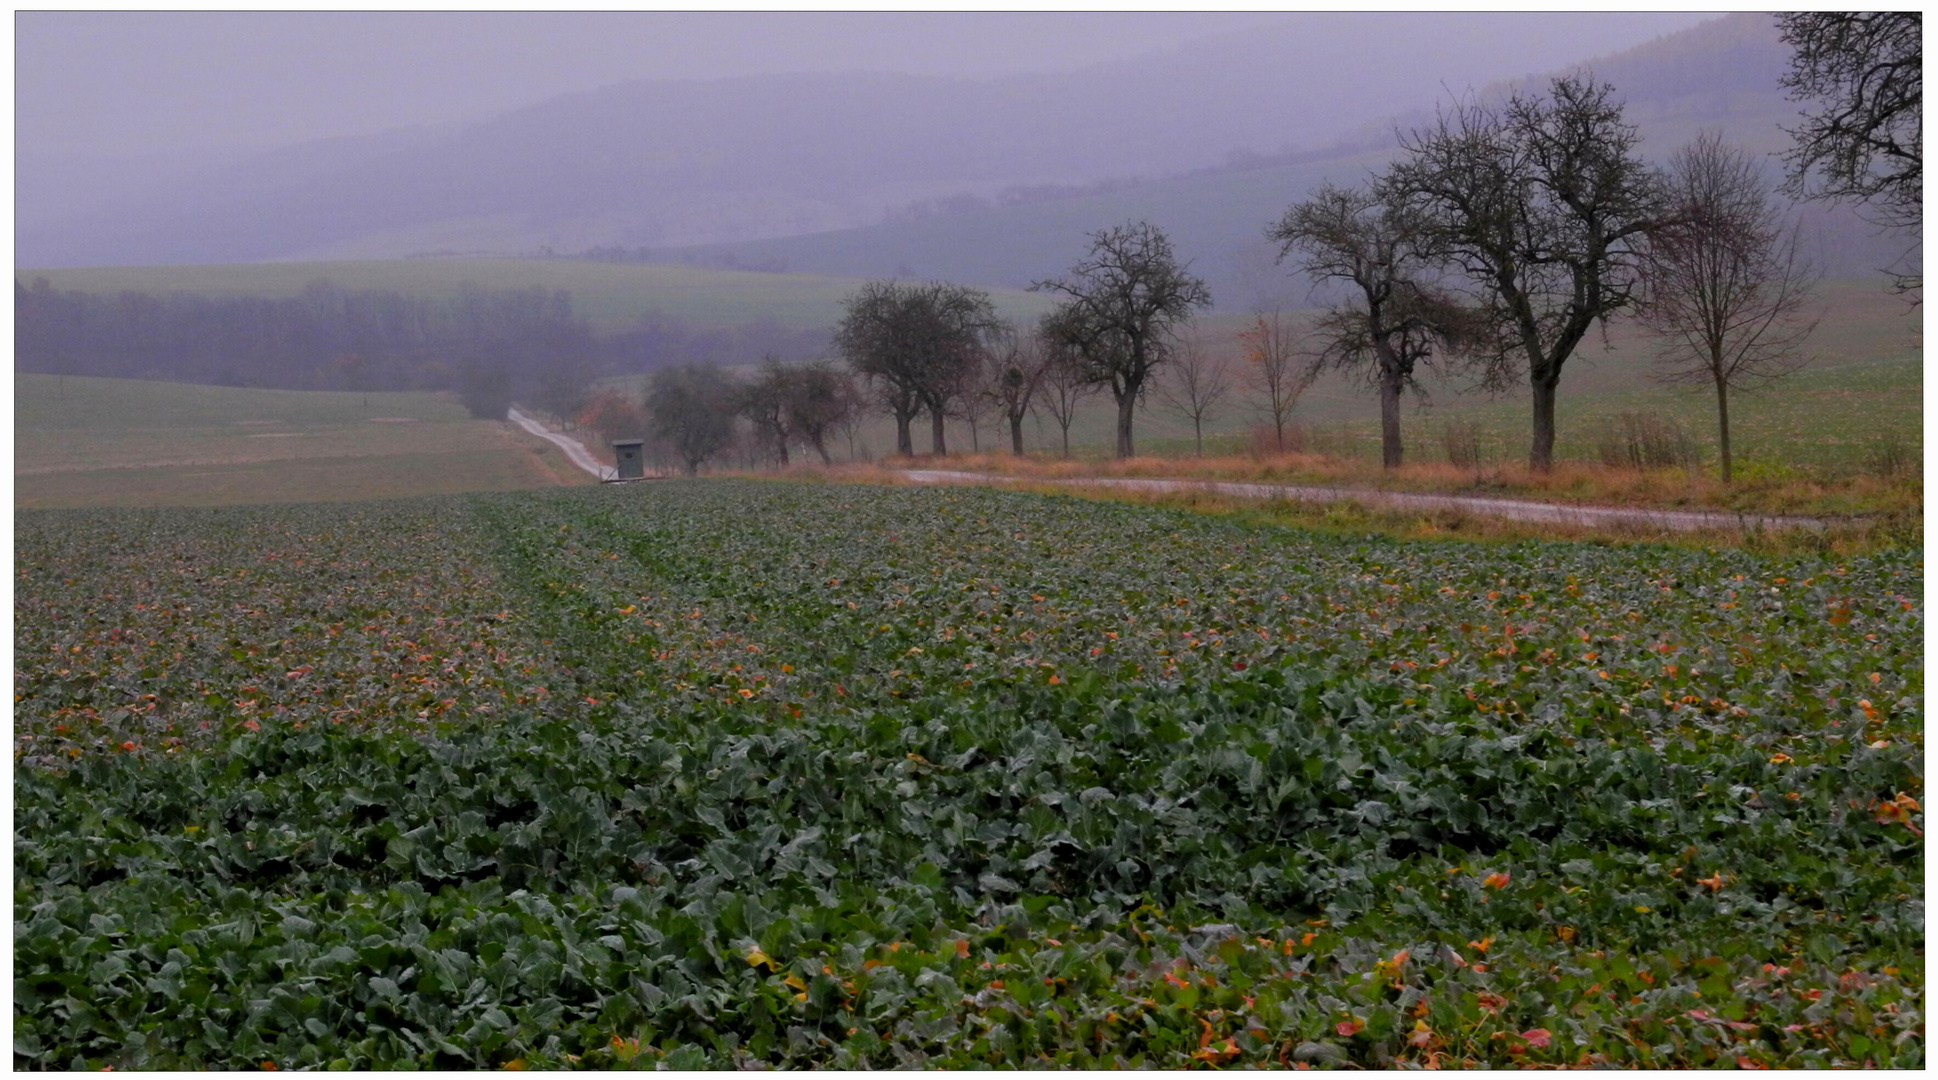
x=1760 y=491
x=1898 y=522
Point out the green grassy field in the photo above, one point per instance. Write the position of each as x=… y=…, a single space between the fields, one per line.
x=611 y=296
x=759 y=774
x=120 y=442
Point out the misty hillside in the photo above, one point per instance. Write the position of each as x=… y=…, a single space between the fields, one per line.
x=1721 y=75
x=667 y=163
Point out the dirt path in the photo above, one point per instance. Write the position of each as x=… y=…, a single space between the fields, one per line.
x=575 y=451
x=1593 y=517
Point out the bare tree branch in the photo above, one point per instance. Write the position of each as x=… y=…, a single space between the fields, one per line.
x=1865 y=141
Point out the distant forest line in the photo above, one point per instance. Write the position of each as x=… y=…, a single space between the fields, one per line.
x=486 y=343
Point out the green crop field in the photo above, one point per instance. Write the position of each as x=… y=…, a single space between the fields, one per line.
x=733 y=773
x=124 y=442
x=612 y=296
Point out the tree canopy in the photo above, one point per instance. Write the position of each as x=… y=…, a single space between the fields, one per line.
x=1125 y=298
x=915 y=343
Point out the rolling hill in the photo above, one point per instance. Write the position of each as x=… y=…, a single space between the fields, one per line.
x=1721 y=75
x=663 y=163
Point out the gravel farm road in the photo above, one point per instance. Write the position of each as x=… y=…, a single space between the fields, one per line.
x=1592 y=517
x=575 y=451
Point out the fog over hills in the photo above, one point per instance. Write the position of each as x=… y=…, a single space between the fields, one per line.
x=679 y=162
x=1721 y=75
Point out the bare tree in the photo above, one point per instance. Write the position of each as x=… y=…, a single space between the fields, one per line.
x=819 y=400
x=914 y=342
x=692 y=409
x=1274 y=368
x=1546 y=208
x=1020 y=363
x=1066 y=382
x=1125 y=297
x=850 y=390
x=975 y=396
x=1195 y=383
x=1727 y=292
x=1392 y=318
x=1865 y=143
x=764 y=402
x=612 y=414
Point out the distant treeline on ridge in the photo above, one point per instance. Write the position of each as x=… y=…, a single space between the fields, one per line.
x=492 y=346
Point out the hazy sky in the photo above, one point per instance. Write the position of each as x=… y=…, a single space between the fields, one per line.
x=111 y=83
x=139 y=81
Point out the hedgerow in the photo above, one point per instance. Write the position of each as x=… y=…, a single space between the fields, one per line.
x=722 y=773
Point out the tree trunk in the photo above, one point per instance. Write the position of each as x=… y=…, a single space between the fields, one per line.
x=1541 y=453
x=1016 y=434
x=904 y=441
x=1198 y=430
x=1390 y=451
x=1126 y=409
x=821 y=447
x=780 y=451
x=935 y=431
x=1722 y=421
x=1066 y=439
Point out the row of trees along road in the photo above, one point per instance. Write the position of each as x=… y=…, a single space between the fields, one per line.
x=1503 y=235
x=692 y=410
x=939 y=348
x=1499 y=239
